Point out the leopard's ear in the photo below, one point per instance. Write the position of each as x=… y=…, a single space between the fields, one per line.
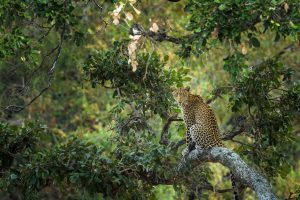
x=187 y=89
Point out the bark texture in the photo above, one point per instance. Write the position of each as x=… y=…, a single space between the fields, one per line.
x=242 y=172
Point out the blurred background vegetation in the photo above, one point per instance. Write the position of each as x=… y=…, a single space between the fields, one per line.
x=84 y=98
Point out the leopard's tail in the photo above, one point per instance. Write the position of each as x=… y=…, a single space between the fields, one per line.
x=234 y=187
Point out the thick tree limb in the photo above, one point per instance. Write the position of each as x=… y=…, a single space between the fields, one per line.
x=241 y=171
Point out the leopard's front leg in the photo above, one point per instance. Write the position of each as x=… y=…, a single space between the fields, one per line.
x=189 y=143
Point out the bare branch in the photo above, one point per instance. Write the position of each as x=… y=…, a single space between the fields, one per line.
x=241 y=171
x=100 y=7
x=41 y=65
x=218 y=92
x=178 y=144
x=46 y=33
x=17 y=108
x=165 y=131
x=161 y=36
x=290 y=47
x=232 y=134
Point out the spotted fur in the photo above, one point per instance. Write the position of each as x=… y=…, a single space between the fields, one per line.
x=201 y=124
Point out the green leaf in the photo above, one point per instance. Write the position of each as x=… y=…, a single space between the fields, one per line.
x=187 y=79
x=222 y=7
x=73 y=178
x=255 y=42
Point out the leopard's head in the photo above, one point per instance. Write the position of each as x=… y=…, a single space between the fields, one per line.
x=181 y=95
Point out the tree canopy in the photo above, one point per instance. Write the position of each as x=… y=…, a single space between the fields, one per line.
x=86 y=109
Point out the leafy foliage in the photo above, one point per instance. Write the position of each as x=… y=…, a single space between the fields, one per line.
x=148 y=87
x=82 y=165
x=15 y=140
x=272 y=122
x=103 y=141
x=230 y=19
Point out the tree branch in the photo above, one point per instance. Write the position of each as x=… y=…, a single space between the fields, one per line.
x=218 y=92
x=241 y=171
x=290 y=47
x=17 y=108
x=178 y=144
x=232 y=134
x=161 y=36
x=165 y=131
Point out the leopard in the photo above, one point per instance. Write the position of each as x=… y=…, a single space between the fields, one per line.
x=202 y=131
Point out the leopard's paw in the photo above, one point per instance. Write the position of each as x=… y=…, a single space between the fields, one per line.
x=185 y=152
x=199 y=148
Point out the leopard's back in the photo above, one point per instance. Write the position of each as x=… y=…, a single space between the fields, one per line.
x=200 y=118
